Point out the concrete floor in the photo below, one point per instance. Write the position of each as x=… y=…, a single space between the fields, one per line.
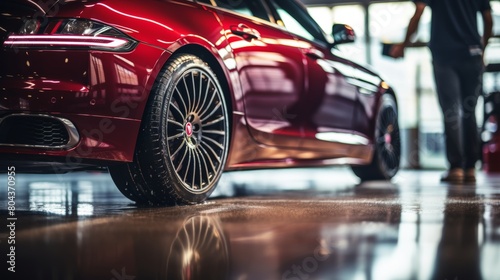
x=280 y=224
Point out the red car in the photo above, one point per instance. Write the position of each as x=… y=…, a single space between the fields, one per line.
x=169 y=94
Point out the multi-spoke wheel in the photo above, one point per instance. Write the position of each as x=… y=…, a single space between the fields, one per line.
x=183 y=145
x=387 y=154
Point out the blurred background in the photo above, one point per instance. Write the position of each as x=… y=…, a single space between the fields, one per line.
x=379 y=22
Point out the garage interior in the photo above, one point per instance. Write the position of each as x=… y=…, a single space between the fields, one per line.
x=299 y=223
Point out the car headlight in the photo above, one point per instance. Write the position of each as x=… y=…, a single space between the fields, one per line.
x=80 y=27
x=30 y=26
x=69 y=34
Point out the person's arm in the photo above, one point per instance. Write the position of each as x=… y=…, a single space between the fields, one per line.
x=399 y=49
x=488 y=27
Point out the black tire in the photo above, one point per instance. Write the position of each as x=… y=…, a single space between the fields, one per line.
x=387 y=146
x=183 y=143
x=130 y=183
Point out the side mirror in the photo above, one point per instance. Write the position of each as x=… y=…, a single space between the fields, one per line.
x=343 y=33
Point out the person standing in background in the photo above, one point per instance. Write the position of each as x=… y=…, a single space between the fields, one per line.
x=457 y=52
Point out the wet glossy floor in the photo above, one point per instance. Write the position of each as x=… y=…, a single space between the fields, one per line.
x=281 y=224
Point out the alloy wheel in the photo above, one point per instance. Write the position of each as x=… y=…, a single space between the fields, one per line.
x=196 y=128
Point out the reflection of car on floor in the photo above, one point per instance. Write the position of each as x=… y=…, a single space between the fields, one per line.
x=169 y=94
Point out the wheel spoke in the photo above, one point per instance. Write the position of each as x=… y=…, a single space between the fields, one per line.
x=208 y=106
x=205 y=165
x=182 y=161
x=213 y=141
x=177 y=109
x=193 y=179
x=208 y=158
x=188 y=165
x=211 y=150
x=179 y=135
x=199 y=93
x=391 y=159
x=183 y=143
x=213 y=112
x=219 y=132
x=182 y=101
x=199 y=167
x=395 y=158
x=196 y=98
x=217 y=120
x=176 y=123
x=205 y=96
x=384 y=155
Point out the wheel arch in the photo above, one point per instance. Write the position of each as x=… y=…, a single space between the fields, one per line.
x=383 y=91
x=391 y=92
x=207 y=56
x=222 y=74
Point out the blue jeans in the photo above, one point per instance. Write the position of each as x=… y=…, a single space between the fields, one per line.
x=458 y=86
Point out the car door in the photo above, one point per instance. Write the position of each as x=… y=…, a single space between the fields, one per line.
x=270 y=70
x=329 y=101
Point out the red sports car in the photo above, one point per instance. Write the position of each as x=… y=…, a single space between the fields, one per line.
x=170 y=93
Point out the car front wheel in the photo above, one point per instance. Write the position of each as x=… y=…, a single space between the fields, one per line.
x=183 y=143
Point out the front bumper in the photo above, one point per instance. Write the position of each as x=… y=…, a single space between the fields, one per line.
x=102 y=94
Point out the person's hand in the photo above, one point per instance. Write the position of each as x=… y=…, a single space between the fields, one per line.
x=397 y=51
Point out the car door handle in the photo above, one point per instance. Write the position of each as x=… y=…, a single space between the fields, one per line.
x=245 y=31
x=314 y=53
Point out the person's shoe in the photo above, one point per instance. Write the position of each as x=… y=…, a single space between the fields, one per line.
x=454 y=175
x=470 y=175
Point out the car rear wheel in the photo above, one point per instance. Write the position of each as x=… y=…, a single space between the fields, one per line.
x=183 y=143
x=387 y=154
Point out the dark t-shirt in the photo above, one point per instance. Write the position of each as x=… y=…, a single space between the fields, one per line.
x=454 y=32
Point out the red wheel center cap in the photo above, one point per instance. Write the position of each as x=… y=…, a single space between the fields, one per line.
x=387 y=138
x=189 y=129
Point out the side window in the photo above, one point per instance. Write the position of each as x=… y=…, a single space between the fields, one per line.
x=244 y=7
x=297 y=21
